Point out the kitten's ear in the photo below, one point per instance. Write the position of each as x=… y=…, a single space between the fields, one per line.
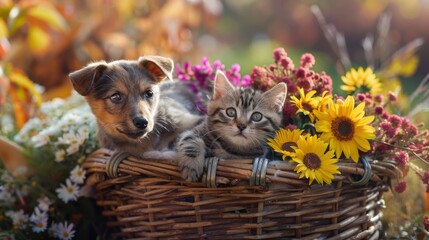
x=276 y=96
x=84 y=78
x=158 y=67
x=221 y=85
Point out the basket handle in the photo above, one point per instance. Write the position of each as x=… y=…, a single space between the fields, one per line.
x=257 y=178
x=113 y=162
x=211 y=165
x=259 y=171
x=367 y=174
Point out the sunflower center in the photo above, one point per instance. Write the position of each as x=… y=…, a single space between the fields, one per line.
x=287 y=146
x=343 y=128
x=312 y=161
x=307 y=106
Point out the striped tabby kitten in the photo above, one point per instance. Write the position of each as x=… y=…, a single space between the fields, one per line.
x=237 y=126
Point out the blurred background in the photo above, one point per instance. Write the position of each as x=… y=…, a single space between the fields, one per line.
x=43 y=41
x=49 y=39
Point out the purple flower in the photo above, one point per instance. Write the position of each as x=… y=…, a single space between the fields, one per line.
x=246 y=81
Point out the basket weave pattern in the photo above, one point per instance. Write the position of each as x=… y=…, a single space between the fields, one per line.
x=237 y=199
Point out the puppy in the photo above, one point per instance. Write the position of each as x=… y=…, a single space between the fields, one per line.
x=134 y=111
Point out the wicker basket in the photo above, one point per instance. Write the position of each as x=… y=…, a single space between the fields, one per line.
x=237 y=199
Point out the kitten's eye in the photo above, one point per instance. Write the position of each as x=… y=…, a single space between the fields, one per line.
x=230 y=112
x=256 y=116
x=148 y=94
x=116 y=98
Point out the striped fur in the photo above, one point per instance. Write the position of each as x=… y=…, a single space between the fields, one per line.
x=226 y=135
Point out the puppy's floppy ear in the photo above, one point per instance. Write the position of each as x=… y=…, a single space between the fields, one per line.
x=84 y=78
x=158 y=67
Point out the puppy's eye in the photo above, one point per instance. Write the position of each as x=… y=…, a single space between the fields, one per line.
x=230 y=112
x=148 y=94
x=256 y=116
x=116 y=98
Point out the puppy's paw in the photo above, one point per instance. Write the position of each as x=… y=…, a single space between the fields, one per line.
x=191 y=170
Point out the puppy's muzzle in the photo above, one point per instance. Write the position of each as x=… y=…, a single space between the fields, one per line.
x=140 y=122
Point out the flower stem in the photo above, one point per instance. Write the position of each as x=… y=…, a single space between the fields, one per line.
x=403 y=148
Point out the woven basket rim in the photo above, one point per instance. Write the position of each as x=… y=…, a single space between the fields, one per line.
x=228 y=170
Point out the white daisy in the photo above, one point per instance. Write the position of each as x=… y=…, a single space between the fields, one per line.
x=44 y=203
x=59 y=155
x=40 y=140
x=63 y=231
x=19 y=218
x=6 y=195
x=83 y=131
x=39 y=220
x=49 y=106
x=66 y=138
x=77 y=174
x=68 y=192
x=29 y=130
x=52 y=130
x=72 y=149
x=71 y=118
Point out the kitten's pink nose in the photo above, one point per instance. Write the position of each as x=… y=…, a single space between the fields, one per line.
x=241 y=127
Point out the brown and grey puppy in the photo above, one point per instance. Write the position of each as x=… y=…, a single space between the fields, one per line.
x=134 y=111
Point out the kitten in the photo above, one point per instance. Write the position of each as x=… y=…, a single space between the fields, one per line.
x=238 y=123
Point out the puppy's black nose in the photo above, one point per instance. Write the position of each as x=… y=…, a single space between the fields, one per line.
x=140 y=122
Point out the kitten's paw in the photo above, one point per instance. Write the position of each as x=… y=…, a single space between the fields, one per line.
x=165 y=154
x=191 y=171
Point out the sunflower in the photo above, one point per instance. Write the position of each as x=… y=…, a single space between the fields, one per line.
x=306 y=103
x=345 y=128
x=314 y=162
x=284 y=141
x=323 y=101
x=361 y=81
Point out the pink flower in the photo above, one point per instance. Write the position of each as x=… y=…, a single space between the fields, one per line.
x=378 y=98
x=426 y=223
x=286 y=63
x=395 y=120
x=257 y=72
x=392 y=97
x=279 y=53
x=388 y=129
x=307 y=60
x=401 y=187
x=379 y=110
x=411 y=130
x=300 y=73
x=425 y=177
x=305 y=84
x=361 y=97
x=402 y=158
x=385 y=115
